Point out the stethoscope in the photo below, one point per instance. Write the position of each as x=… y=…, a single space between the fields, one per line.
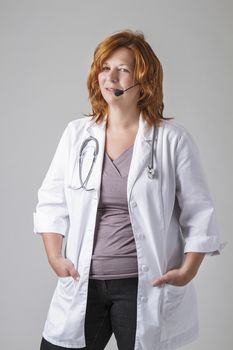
x=151 y=171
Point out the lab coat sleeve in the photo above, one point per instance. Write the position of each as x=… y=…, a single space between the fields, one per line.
x=197 y=218
x=51 y=213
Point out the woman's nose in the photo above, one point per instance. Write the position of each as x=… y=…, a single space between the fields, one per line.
x=113 y=76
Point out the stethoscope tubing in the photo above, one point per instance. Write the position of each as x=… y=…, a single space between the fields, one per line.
x=81 y=157
x=150 y=166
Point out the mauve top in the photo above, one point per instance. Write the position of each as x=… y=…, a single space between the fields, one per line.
x=114 y=251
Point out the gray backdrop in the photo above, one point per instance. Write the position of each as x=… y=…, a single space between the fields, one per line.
x=46 y=51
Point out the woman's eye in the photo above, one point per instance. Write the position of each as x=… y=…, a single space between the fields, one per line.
x=105 y=68
x=124 y=70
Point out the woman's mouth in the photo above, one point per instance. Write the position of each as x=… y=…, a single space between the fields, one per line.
x=111 y=89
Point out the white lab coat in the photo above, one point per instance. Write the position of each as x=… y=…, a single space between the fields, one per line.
x=170 y=214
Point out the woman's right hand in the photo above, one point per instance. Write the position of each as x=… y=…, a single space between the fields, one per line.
x=53 y=246
x=64 y=267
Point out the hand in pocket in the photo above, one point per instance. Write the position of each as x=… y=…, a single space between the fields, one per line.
x=63 y=267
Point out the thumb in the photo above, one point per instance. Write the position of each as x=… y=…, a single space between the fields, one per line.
x=159 y=281
x=73 y=273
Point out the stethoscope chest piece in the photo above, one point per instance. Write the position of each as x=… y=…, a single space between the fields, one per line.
x=151 y=173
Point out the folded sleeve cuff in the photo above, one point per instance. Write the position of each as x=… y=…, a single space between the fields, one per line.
x=41 y=223
x=209 y=245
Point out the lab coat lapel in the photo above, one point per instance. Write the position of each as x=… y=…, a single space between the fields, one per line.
x=141 y=153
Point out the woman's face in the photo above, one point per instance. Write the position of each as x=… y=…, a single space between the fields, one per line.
x=117 y=73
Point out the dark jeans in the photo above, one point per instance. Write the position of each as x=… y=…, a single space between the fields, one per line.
x=111 y=308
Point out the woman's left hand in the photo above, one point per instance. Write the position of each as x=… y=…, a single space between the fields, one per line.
x=176 y=277
x=184 y=274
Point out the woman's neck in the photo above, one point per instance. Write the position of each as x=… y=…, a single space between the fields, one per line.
x=122 y=120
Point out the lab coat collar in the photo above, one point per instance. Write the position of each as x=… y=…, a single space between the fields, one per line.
x=141 y=152
x=144 y=130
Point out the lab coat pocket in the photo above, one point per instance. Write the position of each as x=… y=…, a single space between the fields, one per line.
x=172 y=310
x=65 y=287
x=60 y=305
x=73 y=173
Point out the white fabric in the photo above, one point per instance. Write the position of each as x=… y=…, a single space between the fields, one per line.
x=170 y=215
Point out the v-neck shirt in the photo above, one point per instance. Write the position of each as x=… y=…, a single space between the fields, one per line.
x=122 y=162
x=114 y=251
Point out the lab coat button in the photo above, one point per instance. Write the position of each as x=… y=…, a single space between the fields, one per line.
x=133 y=204
x=141 y=236
x=144 y=268
x=144 y=299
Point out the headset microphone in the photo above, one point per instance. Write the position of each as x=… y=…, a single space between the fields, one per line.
x=119 y=92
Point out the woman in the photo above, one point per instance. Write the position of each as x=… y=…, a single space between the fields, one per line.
x=127 y=188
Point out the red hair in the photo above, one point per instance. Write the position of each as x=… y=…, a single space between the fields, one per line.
x=147 y=71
